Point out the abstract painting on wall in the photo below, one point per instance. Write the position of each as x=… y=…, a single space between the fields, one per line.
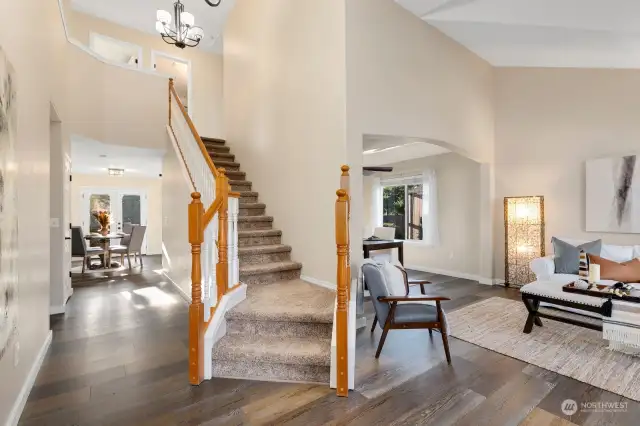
x=613 y=194
x=8 y=207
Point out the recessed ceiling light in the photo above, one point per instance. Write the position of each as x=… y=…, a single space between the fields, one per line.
x=116 y=172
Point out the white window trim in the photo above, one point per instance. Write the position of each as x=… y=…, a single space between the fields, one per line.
x=94 y=35
x=409 y=180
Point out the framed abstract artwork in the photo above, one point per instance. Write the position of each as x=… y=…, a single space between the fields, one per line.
x=613 y=194
x=8 y=207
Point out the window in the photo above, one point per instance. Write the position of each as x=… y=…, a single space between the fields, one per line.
x=402 y=208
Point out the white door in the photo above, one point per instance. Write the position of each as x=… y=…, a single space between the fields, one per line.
x=125 y=206
x=66 y=223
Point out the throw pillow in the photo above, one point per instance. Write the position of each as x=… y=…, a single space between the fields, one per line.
x=394 y=279
x=567 y=257
x=583 y=269
x=626 y=272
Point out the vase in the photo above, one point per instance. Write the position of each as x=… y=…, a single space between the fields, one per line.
x=104 y=230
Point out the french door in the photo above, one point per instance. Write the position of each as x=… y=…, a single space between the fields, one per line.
x=125 y=206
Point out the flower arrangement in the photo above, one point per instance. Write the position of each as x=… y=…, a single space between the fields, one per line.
x=104 y=219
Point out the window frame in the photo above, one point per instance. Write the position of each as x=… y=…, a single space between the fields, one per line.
x=406 y=203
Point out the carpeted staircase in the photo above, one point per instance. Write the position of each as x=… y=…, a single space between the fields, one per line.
x=282 y=331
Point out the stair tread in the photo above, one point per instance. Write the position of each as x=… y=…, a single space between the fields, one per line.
x=293 y=300
x=239 y=182
x=274 y=349
x=268 y=248
x=214 y=140
x=266 y=268
x=262 y=218
x=224 y=163
x=259 y=233
x=253 y=205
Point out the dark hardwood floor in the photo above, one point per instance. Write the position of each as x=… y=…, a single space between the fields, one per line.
x=119 y=356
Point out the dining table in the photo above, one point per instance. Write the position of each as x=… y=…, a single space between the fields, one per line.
x=372 y=245
x=105 y=242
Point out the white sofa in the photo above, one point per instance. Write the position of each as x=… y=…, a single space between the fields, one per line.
x=544 y=268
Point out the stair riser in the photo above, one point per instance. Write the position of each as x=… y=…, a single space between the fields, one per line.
x=208 y=142
x=271 y=371
x=245 y=199
x=270 y=277
x=260 y=258
x=228 y=167
x=222 y=157
x=279 y=328
x=234 y=175
x=217 y=148
x=247 y=226
x=259 y=241
x=254 y=211
x=239 y=187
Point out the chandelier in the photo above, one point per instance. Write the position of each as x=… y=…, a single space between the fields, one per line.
x=182 y=33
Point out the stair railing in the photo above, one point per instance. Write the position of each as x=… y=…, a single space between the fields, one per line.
x=343 y=291
x=213 y=231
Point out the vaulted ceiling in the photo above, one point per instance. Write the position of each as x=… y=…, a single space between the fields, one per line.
x=540 y=33
x=141 y=15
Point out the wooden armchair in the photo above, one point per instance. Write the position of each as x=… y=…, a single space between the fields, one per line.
x=403 y=311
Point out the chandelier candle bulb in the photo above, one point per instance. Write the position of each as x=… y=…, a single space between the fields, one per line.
x=594 y=273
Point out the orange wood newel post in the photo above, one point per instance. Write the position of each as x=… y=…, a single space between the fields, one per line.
x=346 y=185
x=196 y=308
x=222 y=267
x=342 y=318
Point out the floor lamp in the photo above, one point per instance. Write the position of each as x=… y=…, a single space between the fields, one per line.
x=523 y=237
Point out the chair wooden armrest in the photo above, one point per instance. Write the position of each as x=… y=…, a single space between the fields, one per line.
x=419 y=282
x=411 y=298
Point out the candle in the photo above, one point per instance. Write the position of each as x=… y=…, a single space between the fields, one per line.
x=594 y=273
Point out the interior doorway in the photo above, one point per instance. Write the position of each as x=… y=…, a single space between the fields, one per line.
x=124 y=205
x=180 y=70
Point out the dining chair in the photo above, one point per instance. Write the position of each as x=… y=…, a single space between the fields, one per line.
x=134 y=245
x=396 y=309
x=384 y=233
x=79 y=247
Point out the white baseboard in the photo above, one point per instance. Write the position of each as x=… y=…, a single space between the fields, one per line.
x=55 y=310
x=456 y=274
x=186 y=296
x=325 y=284
x=18 y=406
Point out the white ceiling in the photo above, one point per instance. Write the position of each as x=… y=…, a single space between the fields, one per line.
x=93 y=157
x=382 y=150
x=540 y=33
x=141 y=15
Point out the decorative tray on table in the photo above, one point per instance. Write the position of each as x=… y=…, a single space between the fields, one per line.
x=599 y=290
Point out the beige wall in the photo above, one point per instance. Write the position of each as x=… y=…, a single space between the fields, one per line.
x=152 y=186
x=548 y=122
x=284 y=108
x=405 y=78
x=206 y=68
x=458 y=204
x=176 y=250
x=30 y=52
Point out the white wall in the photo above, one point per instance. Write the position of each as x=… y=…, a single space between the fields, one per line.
x=206 y=106
x=284 y=67
x=37 y=72
x=406 y=78
x=152 y=186
x=548 y=122
x=458 y=204
x=176 y=250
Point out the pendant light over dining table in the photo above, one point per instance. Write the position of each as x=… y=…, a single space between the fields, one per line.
x=183 y=33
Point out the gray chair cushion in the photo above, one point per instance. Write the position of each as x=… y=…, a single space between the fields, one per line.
x=415 y=312
x=377 y=288
x=94 y=250
x=567 y=257
x=119 y=249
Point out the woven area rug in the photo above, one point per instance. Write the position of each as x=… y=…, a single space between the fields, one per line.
x=572 y=351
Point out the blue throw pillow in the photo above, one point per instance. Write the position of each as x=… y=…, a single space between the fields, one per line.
x=567 y=256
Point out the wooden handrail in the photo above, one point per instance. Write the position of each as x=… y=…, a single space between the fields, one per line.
x=203 y=148
x=343 y=278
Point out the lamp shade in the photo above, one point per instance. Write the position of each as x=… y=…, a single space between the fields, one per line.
x=160 y=27
x=195 y=33
x=524 y=237
x=187 y=19
x=164 y=17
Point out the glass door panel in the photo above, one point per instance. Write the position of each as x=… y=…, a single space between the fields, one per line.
x=131 y=209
